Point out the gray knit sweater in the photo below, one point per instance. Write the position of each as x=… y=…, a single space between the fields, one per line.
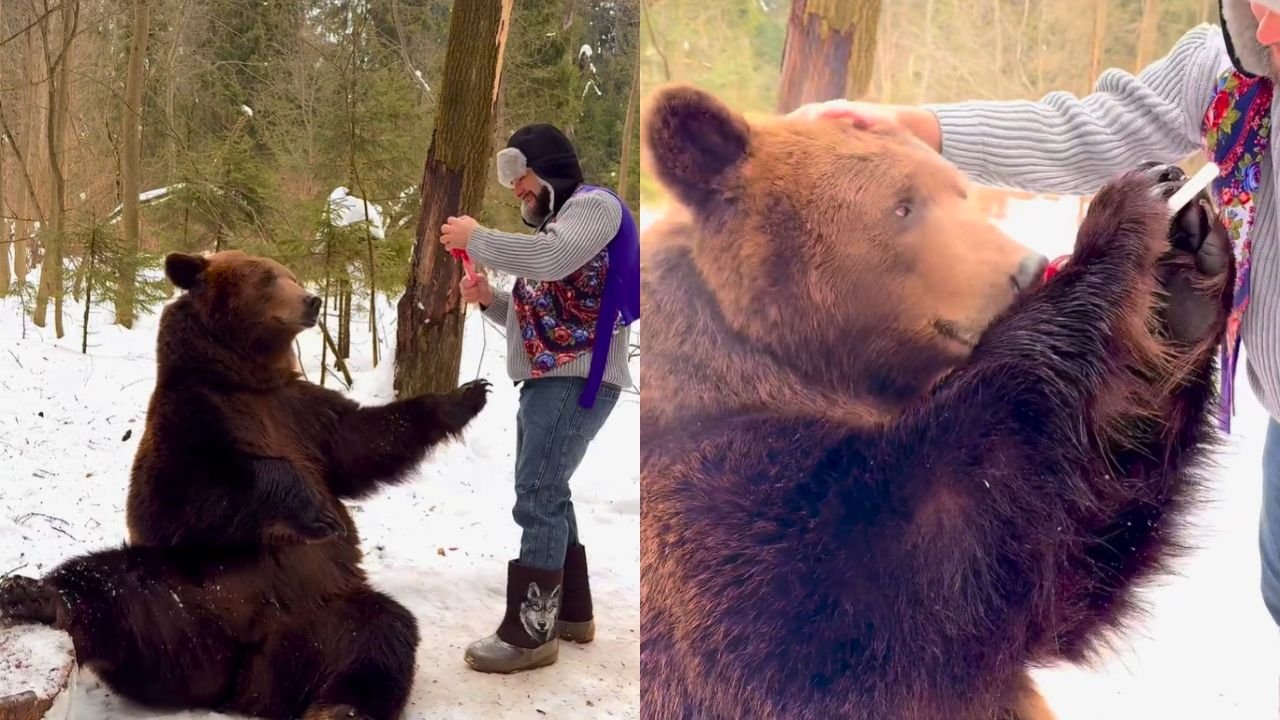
x=585 y=225
x=1070 y=145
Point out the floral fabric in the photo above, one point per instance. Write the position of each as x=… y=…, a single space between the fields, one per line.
x=1237 y=134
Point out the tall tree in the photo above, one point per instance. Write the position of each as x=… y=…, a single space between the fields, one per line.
x=1147 y=31
x=1099 y=41
x=829 y=51
x=429 y=333
x=130 y=182
x=624 y=162
x=58 y=66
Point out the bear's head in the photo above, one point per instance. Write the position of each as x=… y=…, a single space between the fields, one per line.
x=848 y=254
x=254 y=302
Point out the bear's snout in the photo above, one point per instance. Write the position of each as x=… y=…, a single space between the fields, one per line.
x=1030 y=272
x=311 y=307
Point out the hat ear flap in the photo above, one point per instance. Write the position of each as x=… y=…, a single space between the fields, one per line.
x=512 y=165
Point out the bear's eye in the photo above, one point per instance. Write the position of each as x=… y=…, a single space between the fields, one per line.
x=903 y=209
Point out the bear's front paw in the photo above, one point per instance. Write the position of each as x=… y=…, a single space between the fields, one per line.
x=460 y=407
x=24 y=599
x=1129 y=217
x=1195 y=273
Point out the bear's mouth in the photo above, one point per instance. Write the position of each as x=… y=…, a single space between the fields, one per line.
x=952 y=332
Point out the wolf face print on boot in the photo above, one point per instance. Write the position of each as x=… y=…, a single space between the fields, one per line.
x=526 y=638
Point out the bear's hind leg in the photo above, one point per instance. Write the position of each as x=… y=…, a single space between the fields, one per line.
x=130 y=617
x=373 y=643
x=378 y=673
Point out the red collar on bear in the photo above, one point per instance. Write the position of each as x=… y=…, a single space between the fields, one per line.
x=1054 y=267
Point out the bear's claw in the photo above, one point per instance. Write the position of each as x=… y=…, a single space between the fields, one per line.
x=466 y=402
x=23 y=598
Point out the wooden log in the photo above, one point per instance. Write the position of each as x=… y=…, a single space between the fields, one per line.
x=37 y=673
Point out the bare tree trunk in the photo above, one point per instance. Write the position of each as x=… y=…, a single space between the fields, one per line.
x=1040 y=53
x=429 y=333
x=829 y=51
x=653 y=40
x=628 y=125
x=6 y=241
x=59 y=66
x=1147 y=32
x=131 y=129
x=30 y=206
x=1099 y=40
x=999 y=32
x=928 y=50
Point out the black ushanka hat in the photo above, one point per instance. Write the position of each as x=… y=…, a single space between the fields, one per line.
x=545 y=150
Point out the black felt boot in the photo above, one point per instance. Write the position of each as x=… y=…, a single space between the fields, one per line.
x=526 y=638
x=576 y=621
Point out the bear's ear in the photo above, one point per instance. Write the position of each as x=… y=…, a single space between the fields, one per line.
x=185 y=270
x=694 y=141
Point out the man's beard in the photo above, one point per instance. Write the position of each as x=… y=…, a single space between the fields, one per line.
x=536 y=215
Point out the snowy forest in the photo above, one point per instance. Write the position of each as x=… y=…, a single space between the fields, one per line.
x=336 y=137
x=914 y=50
x=291 y=128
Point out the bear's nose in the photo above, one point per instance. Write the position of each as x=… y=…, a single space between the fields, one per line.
x=1030 y=272
x=313 y=303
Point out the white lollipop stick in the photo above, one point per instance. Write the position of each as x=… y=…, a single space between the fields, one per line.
x=1201 y=180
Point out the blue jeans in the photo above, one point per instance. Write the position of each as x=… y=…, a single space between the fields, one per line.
x=1269 y=532
x=552 y=435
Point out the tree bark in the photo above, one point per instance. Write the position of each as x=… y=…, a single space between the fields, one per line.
x=29 y=201
x=628 y=125
x=1099 y=40
x=1147 y=31
x=829 y=51
x=429 y=333
x=130 y=163
x=928 y=49
x=59 y=66
x=6 y=239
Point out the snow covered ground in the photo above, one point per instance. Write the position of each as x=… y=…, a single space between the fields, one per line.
x=70 y=423
x=1207 y=648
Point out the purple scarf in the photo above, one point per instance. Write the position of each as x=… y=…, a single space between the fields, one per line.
x=621 y=301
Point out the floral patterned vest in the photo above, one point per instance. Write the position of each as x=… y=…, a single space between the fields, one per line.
x=561 y=320
x=1237 y=134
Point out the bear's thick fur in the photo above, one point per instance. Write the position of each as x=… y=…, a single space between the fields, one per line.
x=241 y=588
x=883 y=474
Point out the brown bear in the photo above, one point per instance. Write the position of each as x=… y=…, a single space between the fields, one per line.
x=240 y=589
x=886 y=466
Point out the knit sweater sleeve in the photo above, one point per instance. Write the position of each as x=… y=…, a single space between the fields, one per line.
x=585 y=225
x=1072 y=145
x=498 y=309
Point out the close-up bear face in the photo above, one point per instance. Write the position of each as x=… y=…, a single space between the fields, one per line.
x=240 y=296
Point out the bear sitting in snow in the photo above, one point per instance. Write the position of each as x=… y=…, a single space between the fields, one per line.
x=241 y=588
x=886 y=467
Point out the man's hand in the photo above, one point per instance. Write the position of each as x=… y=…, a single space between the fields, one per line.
x=456 y=232
x=478 y=291
x=915 y=120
